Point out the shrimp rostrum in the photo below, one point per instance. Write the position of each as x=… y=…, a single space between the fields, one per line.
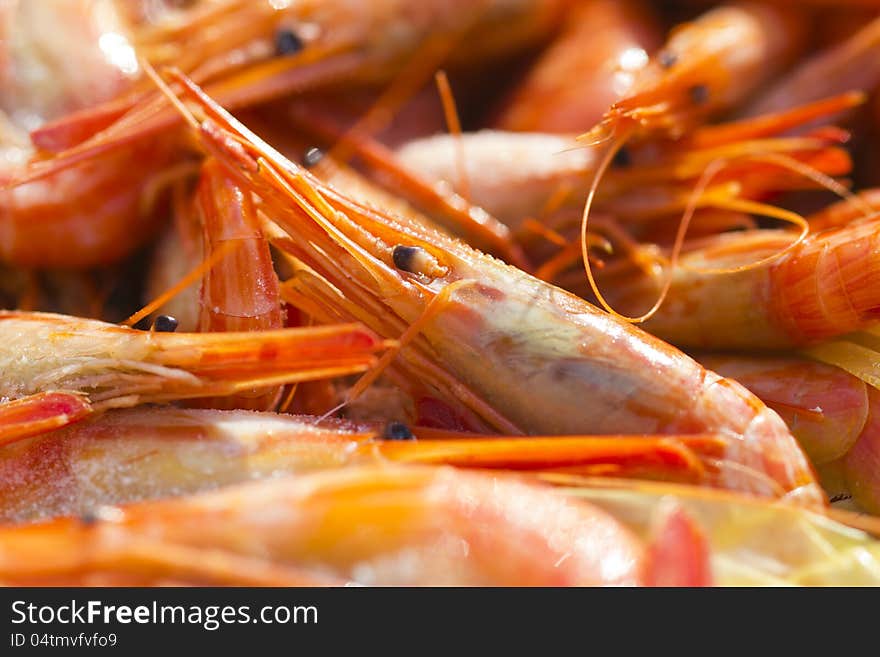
x=507 y=352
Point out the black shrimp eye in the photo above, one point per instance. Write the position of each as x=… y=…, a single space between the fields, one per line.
x=165 y=324
x=88 y=518
x=667 y=59
x=404 y=257
x=312 y=157
x=415 y=260
x=622 y=159
x=699 y=94
x=287 y=42
x=397 y=431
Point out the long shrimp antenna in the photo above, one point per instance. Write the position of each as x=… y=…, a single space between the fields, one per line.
x=605 y=162
x=453 y=125
x=800 y=168
x=744 y=205
x=824 y=180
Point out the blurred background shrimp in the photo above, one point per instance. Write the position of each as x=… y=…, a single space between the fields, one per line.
x=108 y=142
x=707 y=66
x=94 y=214
x=593 y=62
x=415 y=526
x=389 y=525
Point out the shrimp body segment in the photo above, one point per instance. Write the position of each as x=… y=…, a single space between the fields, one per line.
x=826 y=408
x=134 y=454
x=241 y=291
x=707 y=66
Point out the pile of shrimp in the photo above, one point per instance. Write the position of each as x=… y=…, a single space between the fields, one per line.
x=505 y=292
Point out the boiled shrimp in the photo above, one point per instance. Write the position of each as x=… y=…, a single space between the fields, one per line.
x=826 y=408
x=113 y=366
x=143 y=453
x=418 y=525
x=833 y=414
x=514 y=176
x=706 y=66
x=94 y=214
x=477 y=320
x=822 y=288
x=251 y=52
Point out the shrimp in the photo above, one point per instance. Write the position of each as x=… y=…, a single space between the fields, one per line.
x=826 y=408
x=241 y=291
x=477 y=329
x=135 y=454
x=92 y=215
x=592 y=63
x=142 y=453
x=427 y=525
x=84 y=217
x=823 y=287
x=707 y=66
x=834 y=415
x=113 y=366
x=517 y=175
x=108 y=155
x=250 y=52
x=416 y=526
